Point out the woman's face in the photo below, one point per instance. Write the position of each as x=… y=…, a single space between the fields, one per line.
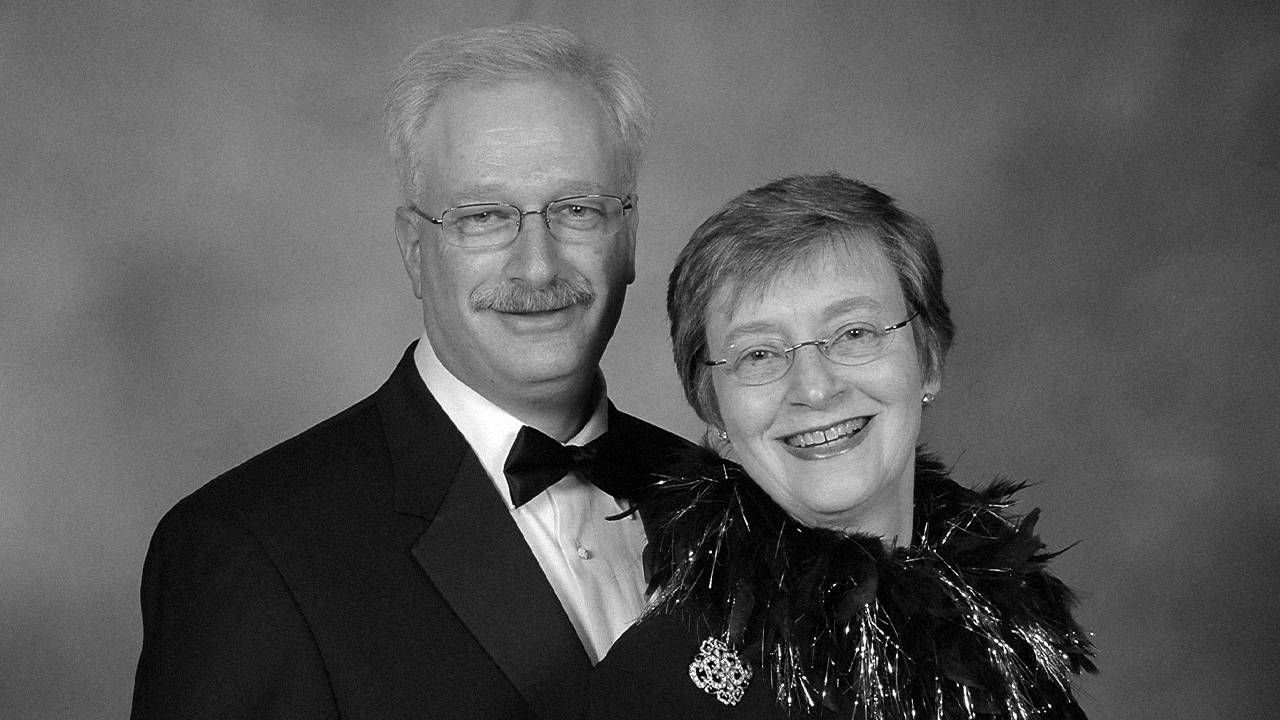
x=833 y=445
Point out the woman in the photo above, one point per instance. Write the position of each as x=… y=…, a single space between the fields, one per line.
x=818 y=564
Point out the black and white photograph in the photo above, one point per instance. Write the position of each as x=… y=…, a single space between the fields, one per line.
x=588 y=360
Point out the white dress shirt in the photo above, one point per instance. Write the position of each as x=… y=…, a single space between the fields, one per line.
x=593 y=564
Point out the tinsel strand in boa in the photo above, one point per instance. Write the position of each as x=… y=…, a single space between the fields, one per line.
x=966 y=622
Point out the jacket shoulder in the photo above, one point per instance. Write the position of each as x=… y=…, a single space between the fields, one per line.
x=344 y=446
x=644 y=435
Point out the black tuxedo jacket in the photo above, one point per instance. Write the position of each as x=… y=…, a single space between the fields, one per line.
x=364 y=569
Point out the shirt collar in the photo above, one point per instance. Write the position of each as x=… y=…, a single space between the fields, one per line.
x=487 y=428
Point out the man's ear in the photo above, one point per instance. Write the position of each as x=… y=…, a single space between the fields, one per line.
x=410 y=241
x=633 y=222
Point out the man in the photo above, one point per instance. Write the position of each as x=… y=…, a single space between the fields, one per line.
x=394 y=561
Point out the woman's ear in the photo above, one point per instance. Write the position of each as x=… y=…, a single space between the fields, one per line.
x=717 y=439
x=933 y=385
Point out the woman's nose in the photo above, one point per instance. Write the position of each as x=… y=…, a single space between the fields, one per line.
x=813 y=378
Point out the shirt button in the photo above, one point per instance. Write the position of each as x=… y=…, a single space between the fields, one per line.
x=584 y=553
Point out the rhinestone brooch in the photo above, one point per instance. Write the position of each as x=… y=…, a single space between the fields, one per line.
x=719 y=671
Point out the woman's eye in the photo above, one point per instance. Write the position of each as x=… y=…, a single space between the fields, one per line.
x=857 y=334
x=759 y=355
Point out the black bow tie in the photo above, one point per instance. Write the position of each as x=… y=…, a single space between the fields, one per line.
x=536 y=462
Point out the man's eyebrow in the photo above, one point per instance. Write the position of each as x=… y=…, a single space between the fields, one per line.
x=490 y=192
x=476 y=193
x=584 y=188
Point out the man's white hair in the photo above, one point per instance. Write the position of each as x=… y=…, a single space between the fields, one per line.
x=511 y=52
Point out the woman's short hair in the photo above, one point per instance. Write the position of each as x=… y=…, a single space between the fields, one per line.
x=762 y=232
x=520 y=51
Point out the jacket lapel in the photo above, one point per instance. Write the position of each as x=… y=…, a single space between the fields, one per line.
x=479 y=561
x=474 y=554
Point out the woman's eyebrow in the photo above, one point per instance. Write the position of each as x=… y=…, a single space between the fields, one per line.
x=845 y=305
x=758 y=327
x=831 y=311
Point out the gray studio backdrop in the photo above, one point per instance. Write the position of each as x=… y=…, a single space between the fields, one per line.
x=197 y=261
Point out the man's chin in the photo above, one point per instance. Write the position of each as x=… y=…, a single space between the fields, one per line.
x=539 y=351
x=546 y=382
x=544 y=348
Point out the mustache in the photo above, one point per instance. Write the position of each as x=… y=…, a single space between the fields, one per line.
x=520 y=297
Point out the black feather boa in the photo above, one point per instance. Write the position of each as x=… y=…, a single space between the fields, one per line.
x=966 y=622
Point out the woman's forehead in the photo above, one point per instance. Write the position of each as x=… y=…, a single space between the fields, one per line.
x=851 y=273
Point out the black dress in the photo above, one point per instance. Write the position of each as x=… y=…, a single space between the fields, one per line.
x=966 y=622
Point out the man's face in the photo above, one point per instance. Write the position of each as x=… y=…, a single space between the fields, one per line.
x=524 y=143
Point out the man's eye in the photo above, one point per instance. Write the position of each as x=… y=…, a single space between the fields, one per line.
x=577 y=215
x=480 y=220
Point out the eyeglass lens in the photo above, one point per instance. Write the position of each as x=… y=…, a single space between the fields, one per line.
x=574 y=219
x=853 y=344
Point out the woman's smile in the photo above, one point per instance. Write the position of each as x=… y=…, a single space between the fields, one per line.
x=827 y=441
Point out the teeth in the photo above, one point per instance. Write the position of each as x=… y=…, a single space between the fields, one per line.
x=826 y=435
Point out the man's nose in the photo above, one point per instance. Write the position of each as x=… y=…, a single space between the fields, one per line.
x=535 y=251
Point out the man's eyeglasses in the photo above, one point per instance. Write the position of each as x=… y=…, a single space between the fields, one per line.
x=757 y=362
x=580 y=219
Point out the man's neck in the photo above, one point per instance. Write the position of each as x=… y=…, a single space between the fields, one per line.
x=559 y=412
x=559 y=408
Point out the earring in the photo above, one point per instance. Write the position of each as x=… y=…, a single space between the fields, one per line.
x=717 y=440
x=927 y=400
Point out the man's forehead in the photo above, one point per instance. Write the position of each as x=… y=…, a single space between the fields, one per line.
x=531 y=110
x=535 y=135
x=530 y=132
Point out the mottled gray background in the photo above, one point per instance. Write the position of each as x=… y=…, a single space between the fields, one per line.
x=197 y=261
